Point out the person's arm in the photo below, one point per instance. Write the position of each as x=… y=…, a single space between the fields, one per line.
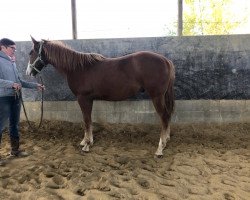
x=6 y=83
x=27 y=84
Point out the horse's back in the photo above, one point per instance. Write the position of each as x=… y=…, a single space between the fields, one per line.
x=138 y=62
x=142 y=66
x=152 y=66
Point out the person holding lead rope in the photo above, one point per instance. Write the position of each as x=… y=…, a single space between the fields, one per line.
x=10 y=100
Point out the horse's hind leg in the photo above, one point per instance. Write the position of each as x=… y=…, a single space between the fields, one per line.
x=159 y=104
x=86 y=107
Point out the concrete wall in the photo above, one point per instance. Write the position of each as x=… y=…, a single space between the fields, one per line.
x=187 y=111
x=212 y=80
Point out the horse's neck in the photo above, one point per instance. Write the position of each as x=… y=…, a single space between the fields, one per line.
x=60 y=60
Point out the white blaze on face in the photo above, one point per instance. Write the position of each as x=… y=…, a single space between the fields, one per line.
x=29 y=69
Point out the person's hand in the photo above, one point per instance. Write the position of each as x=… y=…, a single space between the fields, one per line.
x=40 y=87
x=16 y=86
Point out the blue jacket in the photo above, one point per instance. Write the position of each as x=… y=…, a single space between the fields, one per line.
x=9 y=75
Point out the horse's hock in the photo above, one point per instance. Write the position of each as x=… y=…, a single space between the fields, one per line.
x=212 y=81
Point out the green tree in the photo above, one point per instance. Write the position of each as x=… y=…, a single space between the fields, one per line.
x=210 y=17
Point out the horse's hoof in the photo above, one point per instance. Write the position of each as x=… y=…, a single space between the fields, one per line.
x=85 y=148
x=83 y=152
x=158 y=156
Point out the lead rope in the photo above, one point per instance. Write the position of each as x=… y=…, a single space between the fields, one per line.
x=25 y=113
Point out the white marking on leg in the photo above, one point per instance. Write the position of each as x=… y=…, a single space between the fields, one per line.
x=86 y=148
x=91 y=136
x=159 y=149
x=83 y=142
x=87 y=140
x=165 y=136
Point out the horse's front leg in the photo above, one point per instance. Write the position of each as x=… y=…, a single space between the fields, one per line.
x=86 y=107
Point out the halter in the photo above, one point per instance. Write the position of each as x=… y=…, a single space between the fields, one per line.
x=39 y=58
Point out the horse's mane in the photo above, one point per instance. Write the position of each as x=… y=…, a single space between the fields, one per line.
x=70 y=60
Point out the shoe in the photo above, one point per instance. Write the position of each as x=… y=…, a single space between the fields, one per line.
x=19 y=154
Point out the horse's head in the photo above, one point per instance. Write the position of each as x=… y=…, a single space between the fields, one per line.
x=37 y=59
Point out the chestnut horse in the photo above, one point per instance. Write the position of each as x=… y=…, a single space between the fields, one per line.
x=92 y=76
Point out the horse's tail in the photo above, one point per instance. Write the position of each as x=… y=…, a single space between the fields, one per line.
x=170 y=94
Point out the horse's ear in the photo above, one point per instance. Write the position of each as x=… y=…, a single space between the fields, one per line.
x=34 y=41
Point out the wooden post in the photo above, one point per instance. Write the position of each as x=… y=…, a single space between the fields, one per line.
x=74 y=21
x=180 y=17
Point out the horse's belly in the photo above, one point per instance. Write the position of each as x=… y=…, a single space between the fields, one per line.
x=118 y=93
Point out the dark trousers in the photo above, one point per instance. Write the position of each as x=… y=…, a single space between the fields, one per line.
x=10 y=108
